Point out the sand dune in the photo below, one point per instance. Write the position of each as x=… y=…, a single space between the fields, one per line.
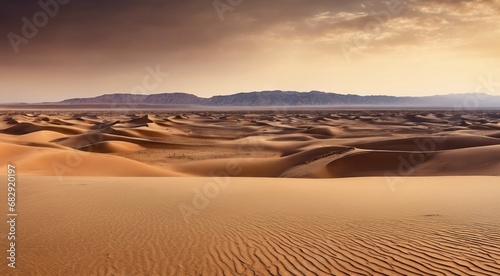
x=112 y=147
x=475 y=161
x=63 y=162
x=314 y=144
x=362 y=226
x=422 y=143
x=218 y=193
x=25 y=128
x=495 y=135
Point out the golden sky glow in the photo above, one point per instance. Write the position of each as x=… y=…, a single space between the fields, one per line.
x=88 y=48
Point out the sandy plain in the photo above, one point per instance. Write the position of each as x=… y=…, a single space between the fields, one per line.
x=254 y=193
x=351 y=226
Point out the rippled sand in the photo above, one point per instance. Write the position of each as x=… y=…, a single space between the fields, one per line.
x=254 y=193
x=257 y=226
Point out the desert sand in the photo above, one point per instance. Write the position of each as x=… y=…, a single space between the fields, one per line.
x=254 y=193
x=314 y=144
x=351 y=226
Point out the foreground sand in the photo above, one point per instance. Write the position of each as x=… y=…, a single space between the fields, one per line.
x=256 y=226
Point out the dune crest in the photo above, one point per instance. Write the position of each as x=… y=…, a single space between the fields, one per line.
x=306 y=144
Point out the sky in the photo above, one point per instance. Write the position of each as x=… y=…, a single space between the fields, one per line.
x=52 y=50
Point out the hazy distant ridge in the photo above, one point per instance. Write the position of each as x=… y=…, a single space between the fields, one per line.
x=292 y=98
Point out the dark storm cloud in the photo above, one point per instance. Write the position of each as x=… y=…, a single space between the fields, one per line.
x=119 y=37
x=126 y=29
x=108 y=26
x=169 y=25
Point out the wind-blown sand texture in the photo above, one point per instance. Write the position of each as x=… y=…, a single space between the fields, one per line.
x=314 y=144
x=254 y=193
x=356 y=226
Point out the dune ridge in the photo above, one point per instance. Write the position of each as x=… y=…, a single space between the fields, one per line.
x=307 y=144
x=255 y=193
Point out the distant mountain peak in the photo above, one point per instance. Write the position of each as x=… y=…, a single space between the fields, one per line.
x=291 y=98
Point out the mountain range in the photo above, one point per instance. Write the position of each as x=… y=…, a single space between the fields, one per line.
x=293 y=98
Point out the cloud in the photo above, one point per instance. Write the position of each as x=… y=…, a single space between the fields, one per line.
x=126 y=29
x=113 y=37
